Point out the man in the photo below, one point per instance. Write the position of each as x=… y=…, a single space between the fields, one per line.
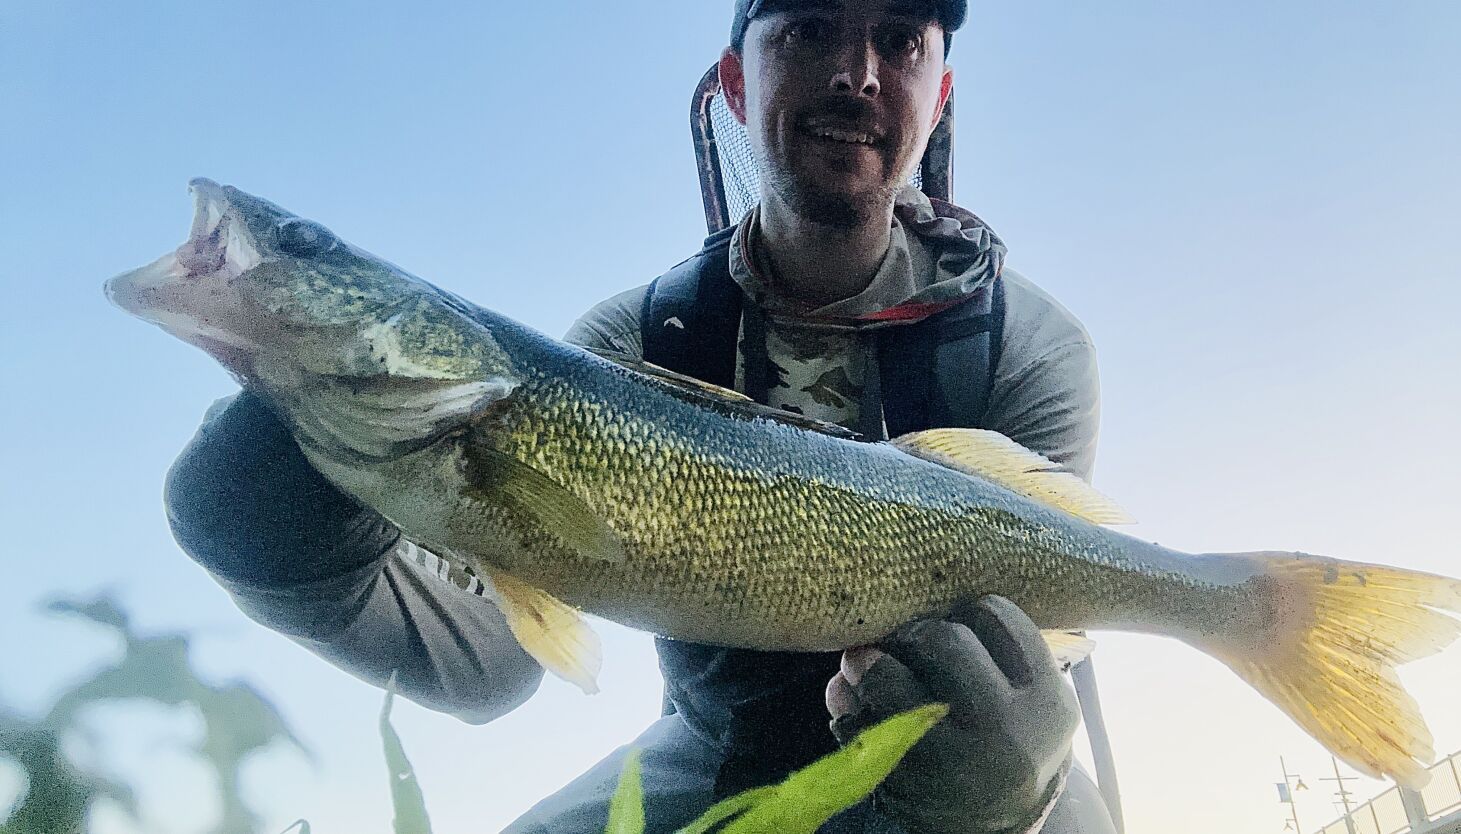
x=839 y=292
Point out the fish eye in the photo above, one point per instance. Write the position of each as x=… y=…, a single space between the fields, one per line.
x=302 y=238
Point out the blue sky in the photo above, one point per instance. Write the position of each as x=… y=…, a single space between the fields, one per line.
x=1251 y=206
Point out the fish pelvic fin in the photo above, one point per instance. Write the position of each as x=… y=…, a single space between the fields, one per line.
x=551 y=631
x=1068 y=647
x=994 y=457
x=1336 y=632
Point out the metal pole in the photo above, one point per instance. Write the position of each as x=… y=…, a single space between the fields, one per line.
x=1084 y=676
x=1293 y=807
x=1343 y=795
x=1415 y=810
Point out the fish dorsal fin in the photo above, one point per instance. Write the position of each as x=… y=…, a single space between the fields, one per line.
x=509 y=481
x=723 y=398
x=667 y=375
x=1068 y=647
x=994 y=457
x=550 y=630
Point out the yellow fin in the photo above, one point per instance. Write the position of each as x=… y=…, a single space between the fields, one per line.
x=1336 y=631
x=1068 y=647
x=994 y=457
x=565 y=515
x=553 y=632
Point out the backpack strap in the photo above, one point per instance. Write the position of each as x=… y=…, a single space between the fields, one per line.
x=692 y=315
x=940 y=372
x=691 y=319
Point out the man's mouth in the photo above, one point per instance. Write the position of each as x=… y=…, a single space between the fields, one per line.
x=832 y=130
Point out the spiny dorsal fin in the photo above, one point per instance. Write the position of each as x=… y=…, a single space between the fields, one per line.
x=994 y=457
x=552 y=631
x=667 y=375
x=724 y=398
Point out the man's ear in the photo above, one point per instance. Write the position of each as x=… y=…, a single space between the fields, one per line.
x=946 y=86
x=733 y=83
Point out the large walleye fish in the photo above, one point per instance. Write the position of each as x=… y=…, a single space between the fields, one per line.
x=572 y=480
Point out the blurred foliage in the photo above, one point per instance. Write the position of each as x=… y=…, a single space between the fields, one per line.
x=57 y=795
x=237 y=722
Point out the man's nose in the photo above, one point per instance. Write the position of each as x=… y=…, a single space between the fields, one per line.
x=858 y=74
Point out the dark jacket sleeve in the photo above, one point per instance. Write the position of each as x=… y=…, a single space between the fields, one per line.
x=305 y=559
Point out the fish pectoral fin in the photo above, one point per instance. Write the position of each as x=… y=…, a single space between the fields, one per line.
x=994 y=457
x=1068 y=647
x=561 y=513
x=551 y=631
x=383 y=418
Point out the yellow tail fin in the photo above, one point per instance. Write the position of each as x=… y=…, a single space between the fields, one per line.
x=1337 y=632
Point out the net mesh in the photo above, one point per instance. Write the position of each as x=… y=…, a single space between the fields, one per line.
x=740 y=176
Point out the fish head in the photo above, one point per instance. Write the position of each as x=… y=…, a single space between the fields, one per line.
x=261 y=289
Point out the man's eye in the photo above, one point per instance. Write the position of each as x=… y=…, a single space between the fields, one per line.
x=806 y=31
x=899 y=41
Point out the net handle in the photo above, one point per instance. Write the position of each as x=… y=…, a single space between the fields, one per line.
x=936 y=168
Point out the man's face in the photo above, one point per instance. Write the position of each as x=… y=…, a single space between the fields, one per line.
x=839 y=98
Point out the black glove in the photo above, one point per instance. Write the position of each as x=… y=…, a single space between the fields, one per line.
x=997 y=763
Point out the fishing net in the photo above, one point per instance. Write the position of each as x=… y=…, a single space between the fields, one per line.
x=739 y=174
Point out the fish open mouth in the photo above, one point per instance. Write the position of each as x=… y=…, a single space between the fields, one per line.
x=219 y=245
x=184 y=292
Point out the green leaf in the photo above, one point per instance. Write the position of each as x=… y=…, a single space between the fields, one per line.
x=727 y=808
x=816 y=793
x=301 y=825
x=406 y=797
x=626 y=809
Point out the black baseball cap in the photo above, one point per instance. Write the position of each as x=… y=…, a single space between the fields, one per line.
x=949 y=13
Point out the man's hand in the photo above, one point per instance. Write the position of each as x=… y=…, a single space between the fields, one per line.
x=997 y=763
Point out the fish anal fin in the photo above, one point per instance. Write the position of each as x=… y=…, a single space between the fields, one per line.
x=994 y=457
x=551 y=631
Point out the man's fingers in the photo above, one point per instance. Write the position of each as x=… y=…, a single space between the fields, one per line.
x=1014 y=641
x=841 y=698
x=856 y=662
x=950 y=661
x=888 y=687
